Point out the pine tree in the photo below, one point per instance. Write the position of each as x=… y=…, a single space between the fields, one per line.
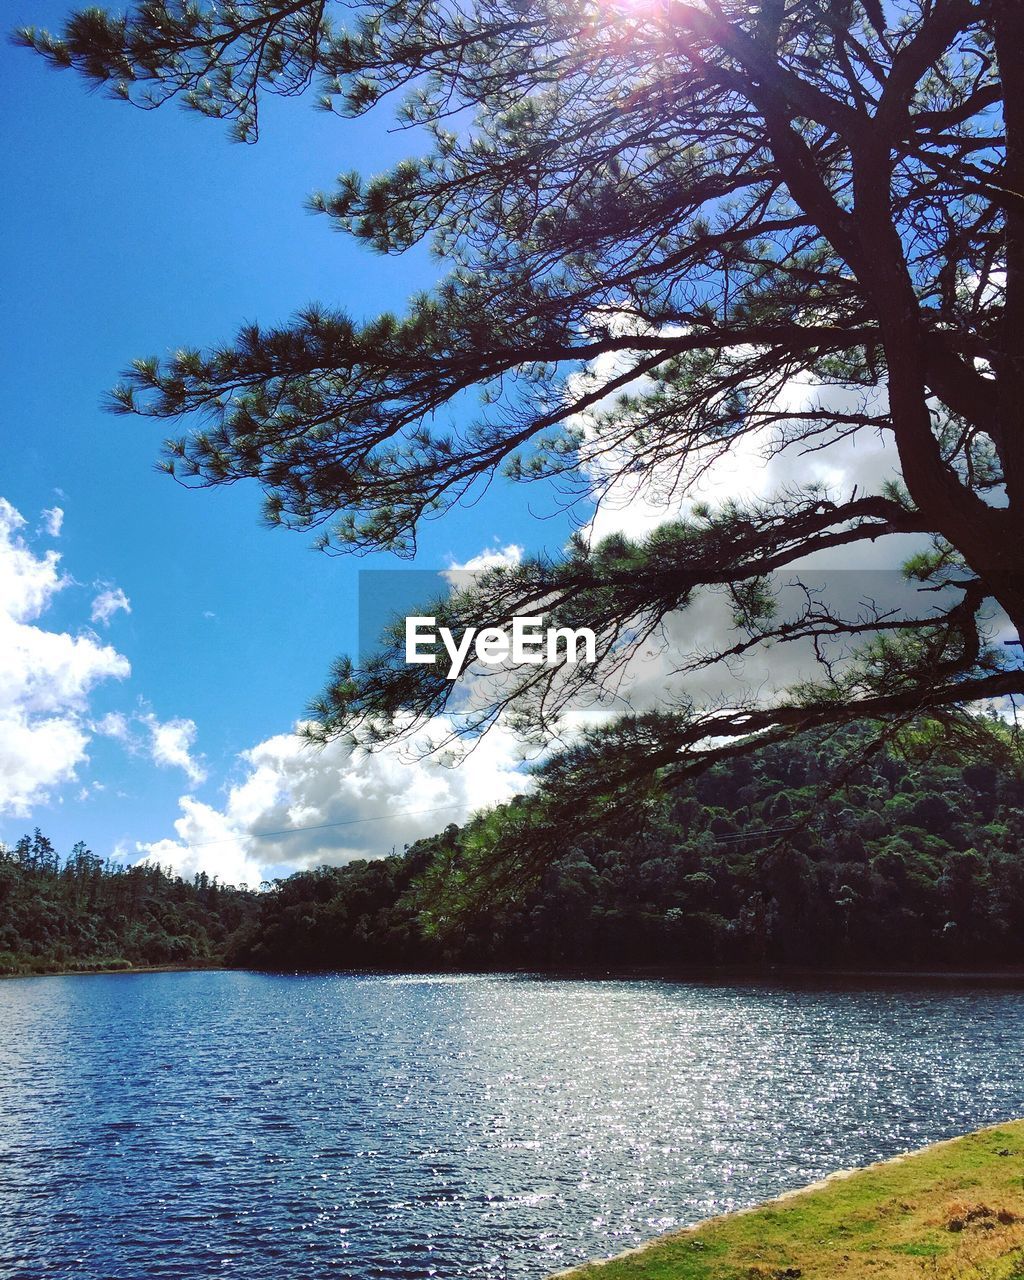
x=655 y=215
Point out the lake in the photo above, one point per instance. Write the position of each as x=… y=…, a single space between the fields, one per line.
x=266 y=1126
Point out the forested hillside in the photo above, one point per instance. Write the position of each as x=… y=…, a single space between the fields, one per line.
x=812 y=853
x=80 y=912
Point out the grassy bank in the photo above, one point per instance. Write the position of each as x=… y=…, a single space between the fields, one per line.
x=953 y=1210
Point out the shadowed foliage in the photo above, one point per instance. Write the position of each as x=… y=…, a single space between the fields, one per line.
x=818 y=852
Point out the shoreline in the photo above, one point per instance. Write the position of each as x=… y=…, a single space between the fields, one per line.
x=937 y=1180
x=114 y=973
x=782 y=973
x=709 y=974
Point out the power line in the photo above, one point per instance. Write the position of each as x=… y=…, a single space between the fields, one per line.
x=324 y=826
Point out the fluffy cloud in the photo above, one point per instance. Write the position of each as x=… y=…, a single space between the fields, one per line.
x=510 y=555
x=113 y=725
x=339 y=803
x=170 y=743
x=110 y=600
x=27 y=582
x=45 y=676
x=753 y=468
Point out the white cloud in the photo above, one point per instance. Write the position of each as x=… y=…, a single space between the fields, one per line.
x=28 y=582
x=352 y=804
x=113 y=725
x=207 y=841
x=45 y=676
x=109 y=601
x=53 y=520
x=493 y=558
x=170 y=743
x=752 y=468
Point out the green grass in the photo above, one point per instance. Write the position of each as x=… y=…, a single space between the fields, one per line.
x=954 y=1211
x=13 y=965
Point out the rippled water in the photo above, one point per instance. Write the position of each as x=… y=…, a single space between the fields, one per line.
x=206 y=1124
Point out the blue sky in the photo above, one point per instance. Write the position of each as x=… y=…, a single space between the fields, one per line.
x=125 y=233
x=164 y=729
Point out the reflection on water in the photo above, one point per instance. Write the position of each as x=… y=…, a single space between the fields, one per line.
x=204 y=1124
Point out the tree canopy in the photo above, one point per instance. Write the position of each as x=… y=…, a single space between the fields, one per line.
x=758 y=861
x=83 y=912
x=656 y=216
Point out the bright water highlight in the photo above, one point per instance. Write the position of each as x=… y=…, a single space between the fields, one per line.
x=198 y=1125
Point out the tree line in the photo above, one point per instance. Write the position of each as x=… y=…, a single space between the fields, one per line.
x=818 y=853
x=83 y=912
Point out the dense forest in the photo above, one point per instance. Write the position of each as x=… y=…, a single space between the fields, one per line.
x=810 y=853
x=81 y=912
x=813 y=853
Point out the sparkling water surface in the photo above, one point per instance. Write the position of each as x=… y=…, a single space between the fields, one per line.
x=275 y=1127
